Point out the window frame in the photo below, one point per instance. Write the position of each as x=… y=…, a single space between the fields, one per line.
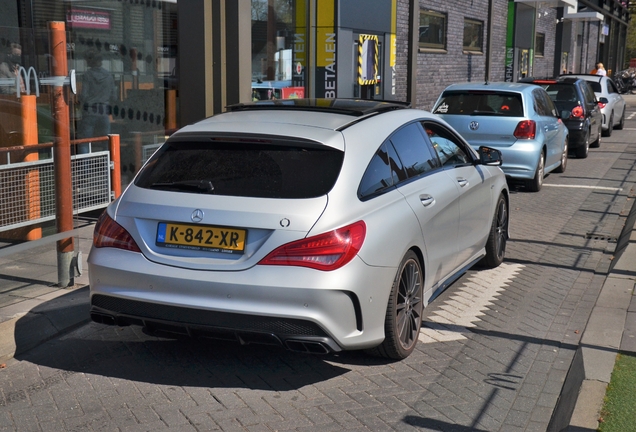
x=538 y=53
x=441 y=47
x=476 y=49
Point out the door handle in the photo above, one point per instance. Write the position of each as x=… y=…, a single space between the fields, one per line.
x=462 y=182
x=427 y=200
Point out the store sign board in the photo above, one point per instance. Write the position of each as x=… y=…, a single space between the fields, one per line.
x=82 y=18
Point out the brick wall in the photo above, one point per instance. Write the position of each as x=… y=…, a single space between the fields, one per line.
x=546 y=24
x=437 y=70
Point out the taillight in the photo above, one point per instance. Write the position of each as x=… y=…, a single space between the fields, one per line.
x=577 y=112
x=526 y=129
x=109 y=233
x=328 y=251
x=601 y=105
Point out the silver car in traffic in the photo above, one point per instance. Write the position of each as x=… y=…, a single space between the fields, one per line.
x=318 y=225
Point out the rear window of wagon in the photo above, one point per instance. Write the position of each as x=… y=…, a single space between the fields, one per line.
x=262 y=168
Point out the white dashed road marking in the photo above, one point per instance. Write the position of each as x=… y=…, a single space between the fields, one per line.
x=631 y=116
x=464 y=308
x=585 y=187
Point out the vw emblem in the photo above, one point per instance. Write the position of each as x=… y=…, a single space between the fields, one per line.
x=474 y=125
x=197 y=215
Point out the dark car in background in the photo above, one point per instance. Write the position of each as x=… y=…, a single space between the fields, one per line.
x=611 y=102
x=586 y=120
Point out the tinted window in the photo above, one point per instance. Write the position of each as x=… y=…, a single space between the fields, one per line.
x=413 y=150
x=543 y=105
x=480 y=103
x=383 y=172
x=540 y=106
x=268 y=170
x=611 y=88
x=596 y=86
x=587 y=90
x=448 y=147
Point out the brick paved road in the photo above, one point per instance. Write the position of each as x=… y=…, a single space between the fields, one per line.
x=493 y=356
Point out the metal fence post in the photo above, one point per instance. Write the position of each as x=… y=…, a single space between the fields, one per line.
x=115 y=173
x=62 y=156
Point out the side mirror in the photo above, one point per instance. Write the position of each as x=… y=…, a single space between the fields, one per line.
x=603 y=100
x=489 y=156
x=565 y=114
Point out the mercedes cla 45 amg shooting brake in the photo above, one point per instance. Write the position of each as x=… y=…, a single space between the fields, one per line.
x=318 y=225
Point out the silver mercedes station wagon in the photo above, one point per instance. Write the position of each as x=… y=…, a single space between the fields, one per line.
x=318 y=225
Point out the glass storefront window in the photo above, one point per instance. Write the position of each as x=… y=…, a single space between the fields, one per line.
x=124 y=55
x=279 y=49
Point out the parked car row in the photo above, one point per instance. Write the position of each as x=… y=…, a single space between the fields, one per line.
x=535 y=123
x=328 y=225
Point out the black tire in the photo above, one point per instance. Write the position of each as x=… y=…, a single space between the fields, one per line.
x=535 y=184
x=582 y=151
x=621 y=124
x=564 y=159
x=597 y=143
x=496 y=244
x=404 y=311
x=610 y=126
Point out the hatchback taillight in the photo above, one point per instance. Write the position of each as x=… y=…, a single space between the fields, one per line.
x=526 y=129
x=109 y=233
x=328 y=251
x=601 y=105
x=578 y=113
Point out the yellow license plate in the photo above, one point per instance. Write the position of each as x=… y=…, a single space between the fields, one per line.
x=201 y=237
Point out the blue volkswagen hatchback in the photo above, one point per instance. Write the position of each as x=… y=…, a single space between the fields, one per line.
x=520 y=120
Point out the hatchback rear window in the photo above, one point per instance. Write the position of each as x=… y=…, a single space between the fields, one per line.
x=249 y=169
x=562 y=92
x=480 y=103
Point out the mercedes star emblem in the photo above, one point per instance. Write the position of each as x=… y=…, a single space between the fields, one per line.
x=197 y=215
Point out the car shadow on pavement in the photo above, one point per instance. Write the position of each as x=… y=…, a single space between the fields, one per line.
x=131 y=354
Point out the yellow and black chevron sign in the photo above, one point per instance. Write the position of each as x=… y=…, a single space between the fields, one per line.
x=367 y=59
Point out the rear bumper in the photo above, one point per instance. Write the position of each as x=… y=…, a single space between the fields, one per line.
x=289 y=306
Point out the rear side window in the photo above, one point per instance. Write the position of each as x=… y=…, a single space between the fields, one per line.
x=543 y=105
x=480 y=103
x=596 y=86
x=384 y=171
x=262 y=170
x=413 y=150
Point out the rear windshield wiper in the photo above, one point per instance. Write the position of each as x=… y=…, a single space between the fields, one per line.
x=201 y=186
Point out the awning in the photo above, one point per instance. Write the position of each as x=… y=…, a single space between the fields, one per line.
x=570 y=13
x=552 y=3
